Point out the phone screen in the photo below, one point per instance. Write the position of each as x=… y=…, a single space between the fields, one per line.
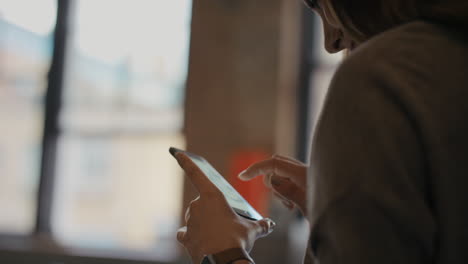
x=235 y=200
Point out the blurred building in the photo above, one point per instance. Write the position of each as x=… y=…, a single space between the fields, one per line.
x=24 y=62
x=117 y=187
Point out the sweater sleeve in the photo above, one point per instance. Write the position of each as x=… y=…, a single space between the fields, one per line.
x=367 y=184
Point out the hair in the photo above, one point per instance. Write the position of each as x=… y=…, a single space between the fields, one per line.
x=362 y=19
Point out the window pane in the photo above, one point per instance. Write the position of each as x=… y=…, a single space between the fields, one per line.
x=117 y=186
x=320 y=81
x=25 y=55
x=325 y=65
x=119 y=192
x=321 y=56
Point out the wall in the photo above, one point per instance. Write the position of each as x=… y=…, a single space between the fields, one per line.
x=241 y=84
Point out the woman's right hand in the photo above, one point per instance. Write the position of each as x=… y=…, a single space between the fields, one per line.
x=285 y=176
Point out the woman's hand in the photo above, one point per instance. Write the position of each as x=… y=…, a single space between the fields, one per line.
x=286 y=177
x=211 y=224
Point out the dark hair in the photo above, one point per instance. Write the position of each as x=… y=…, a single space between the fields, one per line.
x=312 y=3
x=366 y=18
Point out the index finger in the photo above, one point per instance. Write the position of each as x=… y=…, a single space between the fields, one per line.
x=196 y=175
x=278 y=165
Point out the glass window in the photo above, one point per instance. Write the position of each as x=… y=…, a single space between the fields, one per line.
x=25 y=57
x=117 y=187
x=322 y=73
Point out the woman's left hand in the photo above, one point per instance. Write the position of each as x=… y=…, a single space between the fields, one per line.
x=211 y=224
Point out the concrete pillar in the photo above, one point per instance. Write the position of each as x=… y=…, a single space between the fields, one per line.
x=242 y=80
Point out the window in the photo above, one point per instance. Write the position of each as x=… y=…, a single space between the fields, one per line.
x=116 y=188
x=25 y=56
x=325 y=65
x=318 y=68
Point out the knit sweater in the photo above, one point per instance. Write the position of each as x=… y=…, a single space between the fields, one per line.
x=389 y=165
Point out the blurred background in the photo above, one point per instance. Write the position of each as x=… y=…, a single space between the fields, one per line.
x=93 y=93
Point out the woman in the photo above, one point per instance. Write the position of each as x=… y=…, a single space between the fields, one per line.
x=388 y=180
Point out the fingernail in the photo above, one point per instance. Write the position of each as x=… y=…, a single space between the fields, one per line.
x=242 y=175
x=271 y=224
x=181 y=234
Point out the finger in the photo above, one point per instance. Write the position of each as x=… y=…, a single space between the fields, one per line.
x=264 y=227
x=291 y=167
x=279 y=196
x=278 y=165
x=286 y=202
x=182 y=234
x=190 y=208
x=288 y=159
x=287 y=190
x=264 y=167
x=187 y=215
x=195 y=174
x=267 y=180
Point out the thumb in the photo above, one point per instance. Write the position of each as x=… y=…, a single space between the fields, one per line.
x=181 y=234
x=264 y=227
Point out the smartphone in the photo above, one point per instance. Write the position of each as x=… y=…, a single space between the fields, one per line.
x=235 y=200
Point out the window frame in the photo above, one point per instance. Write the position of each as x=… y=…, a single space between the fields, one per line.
x=53 y=104
x=307 y=68
x=39 y=246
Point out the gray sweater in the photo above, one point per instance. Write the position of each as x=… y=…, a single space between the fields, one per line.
x=389 y=164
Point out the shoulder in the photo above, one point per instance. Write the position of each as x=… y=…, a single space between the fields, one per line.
x=395 y=61
x=404 y=48
x=382 y=49
x=416 y=36
x=366 y=124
